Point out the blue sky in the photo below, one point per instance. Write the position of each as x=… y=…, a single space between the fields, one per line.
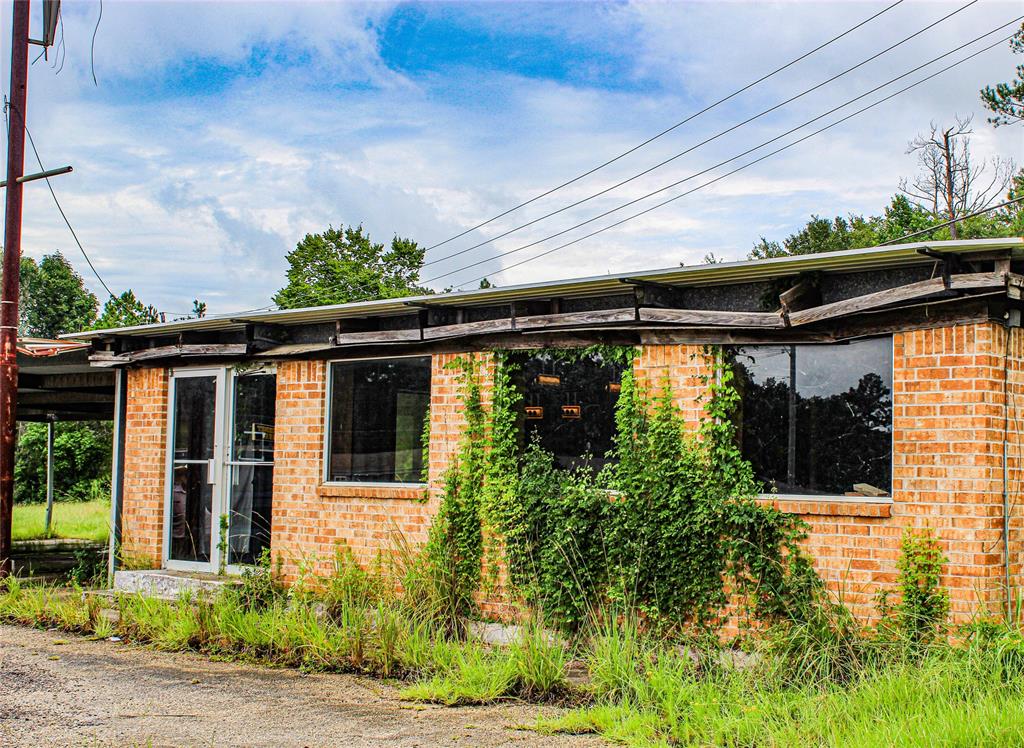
x=221 y=133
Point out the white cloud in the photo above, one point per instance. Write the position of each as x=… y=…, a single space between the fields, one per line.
x=181 y=196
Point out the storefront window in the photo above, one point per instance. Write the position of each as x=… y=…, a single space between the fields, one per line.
x=817 y=419
x=377 y=410
x=569 y=406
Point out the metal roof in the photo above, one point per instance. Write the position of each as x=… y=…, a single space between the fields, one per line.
x=720 y=274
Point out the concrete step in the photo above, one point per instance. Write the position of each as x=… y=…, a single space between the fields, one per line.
x=170 y=584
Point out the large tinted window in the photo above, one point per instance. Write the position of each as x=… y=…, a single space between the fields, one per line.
x=377 y=409
x=817 y=419
x=569 y=406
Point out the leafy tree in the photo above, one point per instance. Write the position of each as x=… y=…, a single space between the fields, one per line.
x=821 y=235
x=343 y=264
x=126 y=311
x=81 y=457
x=54 y=299
x=1006 y=100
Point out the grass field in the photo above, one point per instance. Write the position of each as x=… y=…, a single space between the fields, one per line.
x=71 y=519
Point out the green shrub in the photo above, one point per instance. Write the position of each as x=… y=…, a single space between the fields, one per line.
x=540 y=661
x=924 y=602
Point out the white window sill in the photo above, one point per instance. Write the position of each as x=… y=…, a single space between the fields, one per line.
x=370 y=484
x=831 y=499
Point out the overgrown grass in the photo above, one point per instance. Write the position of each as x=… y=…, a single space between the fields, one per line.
x=89 y=520
x=821 y=681
x=952 y=697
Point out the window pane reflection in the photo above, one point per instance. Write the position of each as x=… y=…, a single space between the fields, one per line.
x=378 y=410
x=191 y=513
x=252 y=488
x=569 y=406
x=194 y=403
x=255 y=401
x=817 y=419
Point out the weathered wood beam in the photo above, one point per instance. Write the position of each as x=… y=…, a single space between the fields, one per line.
x=573 y=319
x=730 y=336
x=910 y=292
x=482 y=327
x=801 y=296
x=378 y=336
x=922 y=316
x=1014 y=285
x=710 y=317
x=197 y=350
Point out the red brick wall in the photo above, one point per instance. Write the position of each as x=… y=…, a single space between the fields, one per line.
x=145 y=467
x=947 y=466
x=682 y=367
x=310 y=519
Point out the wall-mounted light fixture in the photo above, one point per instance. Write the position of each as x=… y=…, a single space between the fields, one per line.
x=572 y=412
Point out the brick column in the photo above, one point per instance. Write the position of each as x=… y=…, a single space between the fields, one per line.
x=145 y=468
x=683 y=367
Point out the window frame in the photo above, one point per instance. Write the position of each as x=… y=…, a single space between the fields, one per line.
x=842 y=498
x=329 y=414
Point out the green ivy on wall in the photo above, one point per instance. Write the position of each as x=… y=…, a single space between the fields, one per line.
x=670 y=526
x=455 y=543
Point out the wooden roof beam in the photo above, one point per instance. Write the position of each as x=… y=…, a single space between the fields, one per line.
x=909 y=292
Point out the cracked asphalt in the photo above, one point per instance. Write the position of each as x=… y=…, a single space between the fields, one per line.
x=62 y=690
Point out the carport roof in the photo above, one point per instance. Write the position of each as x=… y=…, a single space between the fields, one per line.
x=56 y=382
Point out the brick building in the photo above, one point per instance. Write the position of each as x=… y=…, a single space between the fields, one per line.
x=880 y=390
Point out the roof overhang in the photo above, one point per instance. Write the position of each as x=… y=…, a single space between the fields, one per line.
x=720 y=274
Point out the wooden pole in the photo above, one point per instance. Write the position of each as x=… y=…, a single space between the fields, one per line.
x=11 y=281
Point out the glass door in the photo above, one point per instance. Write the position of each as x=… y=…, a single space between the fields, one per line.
x=194 y=468
x=250 y=465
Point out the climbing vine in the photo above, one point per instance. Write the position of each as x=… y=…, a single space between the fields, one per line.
x=924 y=603
x=670 y=526
x=455 y=544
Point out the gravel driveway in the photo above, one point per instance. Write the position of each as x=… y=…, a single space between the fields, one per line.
x=60 y=690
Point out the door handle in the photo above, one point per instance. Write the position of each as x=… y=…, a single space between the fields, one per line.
x=211 y=466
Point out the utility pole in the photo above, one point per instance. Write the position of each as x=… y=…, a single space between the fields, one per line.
x=11 y=280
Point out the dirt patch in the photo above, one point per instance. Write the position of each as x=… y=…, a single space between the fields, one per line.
x=60 y=690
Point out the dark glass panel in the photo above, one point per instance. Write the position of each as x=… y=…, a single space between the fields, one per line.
x=255 y=400
x=191 y=512
x=569 y=406
x=817 y=419
x=377 y=414
x=194 y=404
x=252 y=484
x=252 y=488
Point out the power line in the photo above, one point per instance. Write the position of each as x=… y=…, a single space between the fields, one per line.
x=953 y=220
x=92 y=46
x=726 y=161
x=668 y=129
x=63 y=215
x=116 y=299
x=714 y=137
x=744 y=166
